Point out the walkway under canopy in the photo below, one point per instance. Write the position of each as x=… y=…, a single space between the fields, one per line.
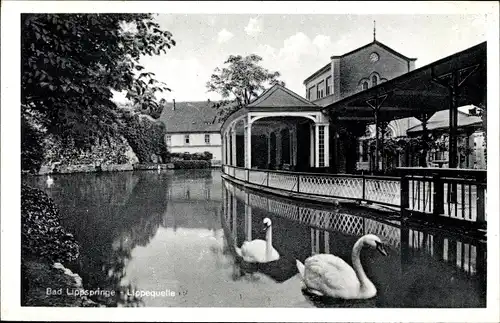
x=456 y=80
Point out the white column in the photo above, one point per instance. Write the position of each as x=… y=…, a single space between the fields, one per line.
x=245 y=144
x=228 y=149
x=223 y=140
x=233 y=146
x=248 y=145
x=326 y=145
x=311 y=146
x=316 y=145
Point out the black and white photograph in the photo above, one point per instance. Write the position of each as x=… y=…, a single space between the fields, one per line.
x=250 y=161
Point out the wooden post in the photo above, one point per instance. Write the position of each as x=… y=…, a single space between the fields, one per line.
x=363 y=196
x=480 y=206
x=438 y=198
x=405 y=195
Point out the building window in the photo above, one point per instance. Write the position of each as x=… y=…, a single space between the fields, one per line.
x=310 y=93
x=186 y=139
x=329 y=85
x=207 y=139
x=374 y=80
x=320 y=90
x=365 y=85
x=321 y=146
x=168 y=140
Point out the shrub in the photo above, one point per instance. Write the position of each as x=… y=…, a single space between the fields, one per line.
x=42 y=235
x=195 y=156
x=191 y=164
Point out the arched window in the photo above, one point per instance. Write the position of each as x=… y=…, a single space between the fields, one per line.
x=365 y=85
x=374 y=80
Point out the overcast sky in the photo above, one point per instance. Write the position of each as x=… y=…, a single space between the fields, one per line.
x=298 y=45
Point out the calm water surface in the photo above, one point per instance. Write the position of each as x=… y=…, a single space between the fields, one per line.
x=176 y=232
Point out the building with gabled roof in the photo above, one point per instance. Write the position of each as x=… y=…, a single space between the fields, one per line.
x=355 y=71
x=192 y=127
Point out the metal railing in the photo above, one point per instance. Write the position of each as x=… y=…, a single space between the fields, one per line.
x=456 y=194
x=376 y=189
x=444 y=194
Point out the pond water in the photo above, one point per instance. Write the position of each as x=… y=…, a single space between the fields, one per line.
x=174 y=234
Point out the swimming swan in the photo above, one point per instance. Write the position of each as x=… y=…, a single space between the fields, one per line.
x=258 y=250
x=50 y=181
x=328 y=275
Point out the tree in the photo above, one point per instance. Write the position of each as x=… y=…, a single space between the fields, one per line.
x=71 y=62
x=239 y=82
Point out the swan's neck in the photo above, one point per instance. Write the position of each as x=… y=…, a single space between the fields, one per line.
x=269 y=243
x=365 y=284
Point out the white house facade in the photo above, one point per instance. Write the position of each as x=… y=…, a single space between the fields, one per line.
x=189 y=142
x=191 y=127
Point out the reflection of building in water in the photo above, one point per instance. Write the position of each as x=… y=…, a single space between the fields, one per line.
x=188 y=187
x=318 y=229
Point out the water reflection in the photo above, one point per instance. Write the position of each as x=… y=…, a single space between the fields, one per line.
x=426 y=267
x=176 y=231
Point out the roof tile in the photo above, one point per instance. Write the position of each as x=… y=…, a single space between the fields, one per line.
x=192 y=116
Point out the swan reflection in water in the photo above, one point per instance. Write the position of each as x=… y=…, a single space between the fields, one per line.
x=259 y=256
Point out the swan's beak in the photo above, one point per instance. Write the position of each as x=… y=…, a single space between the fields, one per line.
x=265 y=227
x=381 y=248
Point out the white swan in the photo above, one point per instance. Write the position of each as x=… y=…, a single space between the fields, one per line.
x=50 y=181
x=257 y=250
x=328 y=275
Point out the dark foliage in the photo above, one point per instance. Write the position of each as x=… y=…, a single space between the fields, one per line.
x=70 y=63
x=31 y=147
x=190 y=164
x=239 y=82
x=206 y=155
x=145 y=136
x=42 y=236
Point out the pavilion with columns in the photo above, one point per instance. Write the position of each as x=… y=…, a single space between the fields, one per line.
x=281 y=130
x=274 y=131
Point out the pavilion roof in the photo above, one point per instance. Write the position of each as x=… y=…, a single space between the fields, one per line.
x=279 y=96
x=415 y=92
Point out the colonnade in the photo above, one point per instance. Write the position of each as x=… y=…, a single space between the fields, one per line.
x=275 y=135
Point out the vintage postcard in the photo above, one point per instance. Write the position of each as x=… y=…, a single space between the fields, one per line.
x=250 y=161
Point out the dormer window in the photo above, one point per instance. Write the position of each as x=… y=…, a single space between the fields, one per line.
x=374 y=80
x=365 y=85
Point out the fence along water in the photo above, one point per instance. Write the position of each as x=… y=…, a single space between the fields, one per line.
x=444 y=195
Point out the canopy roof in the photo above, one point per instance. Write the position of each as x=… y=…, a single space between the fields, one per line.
x=440 y=121
x=417 y=91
